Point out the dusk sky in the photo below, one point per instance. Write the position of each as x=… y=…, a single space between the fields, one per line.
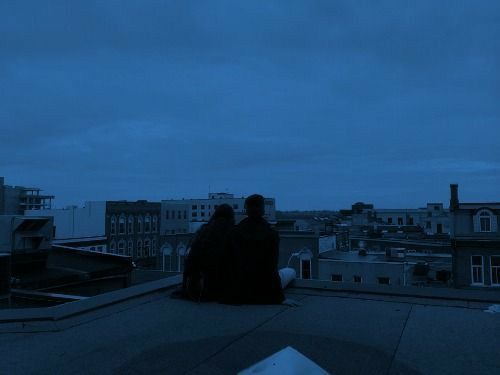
x=316 y=103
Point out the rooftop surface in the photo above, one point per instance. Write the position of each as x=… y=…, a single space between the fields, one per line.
x=344 y=333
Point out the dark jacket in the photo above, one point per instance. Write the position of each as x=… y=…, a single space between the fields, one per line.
x=204 y=258
x=252 y=264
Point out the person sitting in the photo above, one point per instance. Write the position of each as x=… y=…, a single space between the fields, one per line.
x=251 y=268
x=201 y=280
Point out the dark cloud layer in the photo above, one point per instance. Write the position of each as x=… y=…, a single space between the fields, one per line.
x=318 y=103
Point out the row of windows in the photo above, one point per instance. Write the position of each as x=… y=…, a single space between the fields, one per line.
x=202 y=206
x=477 y=270
x=179 y=214
x=126 y=225
x=144 y=248
x=338 y=278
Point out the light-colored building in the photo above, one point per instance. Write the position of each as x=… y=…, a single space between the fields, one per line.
x=187 y=215
x=15 y=200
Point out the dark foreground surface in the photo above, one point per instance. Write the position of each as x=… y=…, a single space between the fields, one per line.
x=343 y=333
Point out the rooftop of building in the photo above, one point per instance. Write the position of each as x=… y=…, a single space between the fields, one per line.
x=343 y=332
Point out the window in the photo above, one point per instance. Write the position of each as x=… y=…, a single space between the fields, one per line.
x=147 y=224
x=485 y=221
x=112 y=247
x=400 y=221
x=121 y=247
x=384 y=280
x=202 y=206
x=167 y=215
x=357 y=279
x=436 y=208
x=179 y=215
x=305 y=269
x=337 y=278
x=121 y=225
x=139 y=224
x=203 y=214
x=410 y=220
x=235 y=206
x=153 y=247
x=389 y=220
x=194 y=214
x=194 y=207
x=185 y=214
x=139 y=248
x=155 y=224
x=113 y=225
x=173 y=215
x=428 y=225
x=130 y=248
x=477 y=269
x=130 y=228
x=147 y=248
x=495 y=270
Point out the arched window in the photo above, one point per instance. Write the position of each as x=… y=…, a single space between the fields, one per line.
x=153 y=247
x=121 y=224
x=139 y=224
x=130 y=225
x=113 y=225
x=147 y=224
x=121 y=247
x=139 y=249
x=181 y=256
x=130 y=248
x=112 y=247
x=485 y=221
x=155 y=224
x=147 y=248
x=167 y=251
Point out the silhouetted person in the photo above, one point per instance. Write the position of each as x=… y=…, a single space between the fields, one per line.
x=201 y=280
x=252 y=259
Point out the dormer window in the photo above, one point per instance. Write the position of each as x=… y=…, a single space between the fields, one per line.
x=485 y=221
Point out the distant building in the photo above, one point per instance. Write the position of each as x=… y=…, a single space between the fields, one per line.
x=433 y=219
x=15 y=200
x=396 y=266
x=187 y=215
x=27 y=239
x=114 y=227
x=475 y=237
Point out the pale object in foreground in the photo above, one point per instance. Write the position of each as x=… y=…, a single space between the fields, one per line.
x=285 y=362
x=287 y=275
x=493 y=309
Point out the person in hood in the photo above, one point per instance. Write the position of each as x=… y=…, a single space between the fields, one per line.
x=201 y=277
x=252 y=259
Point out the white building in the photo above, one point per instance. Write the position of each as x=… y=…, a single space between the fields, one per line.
x=187 y=215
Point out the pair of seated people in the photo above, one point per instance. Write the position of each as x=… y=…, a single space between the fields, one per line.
x=235 y=264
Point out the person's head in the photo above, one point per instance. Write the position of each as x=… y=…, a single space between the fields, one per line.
x=224 y=211
x=254 y=206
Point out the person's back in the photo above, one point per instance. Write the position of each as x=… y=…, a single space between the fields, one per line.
x=201 y=275
x=253 y=258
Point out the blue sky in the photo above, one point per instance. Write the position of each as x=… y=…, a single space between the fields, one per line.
x=317 y=103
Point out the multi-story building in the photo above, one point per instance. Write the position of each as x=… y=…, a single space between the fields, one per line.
x=475 y=238
x=187 y=215
x=115 y=227
x=433 y=219
x=15 y=200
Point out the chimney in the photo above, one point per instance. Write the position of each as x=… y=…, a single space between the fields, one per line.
x=454 y=197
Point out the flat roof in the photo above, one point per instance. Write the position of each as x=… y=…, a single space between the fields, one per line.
x=343 y=333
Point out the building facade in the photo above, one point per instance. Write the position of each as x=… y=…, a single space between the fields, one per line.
x=113 y=227
x=15 y=200
x=188 y=215
x=475 y=238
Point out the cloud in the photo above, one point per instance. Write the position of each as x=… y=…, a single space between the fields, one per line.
x=333 y=101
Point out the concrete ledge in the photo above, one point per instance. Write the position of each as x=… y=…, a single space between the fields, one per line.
x=472 y=295
x=70 y=309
